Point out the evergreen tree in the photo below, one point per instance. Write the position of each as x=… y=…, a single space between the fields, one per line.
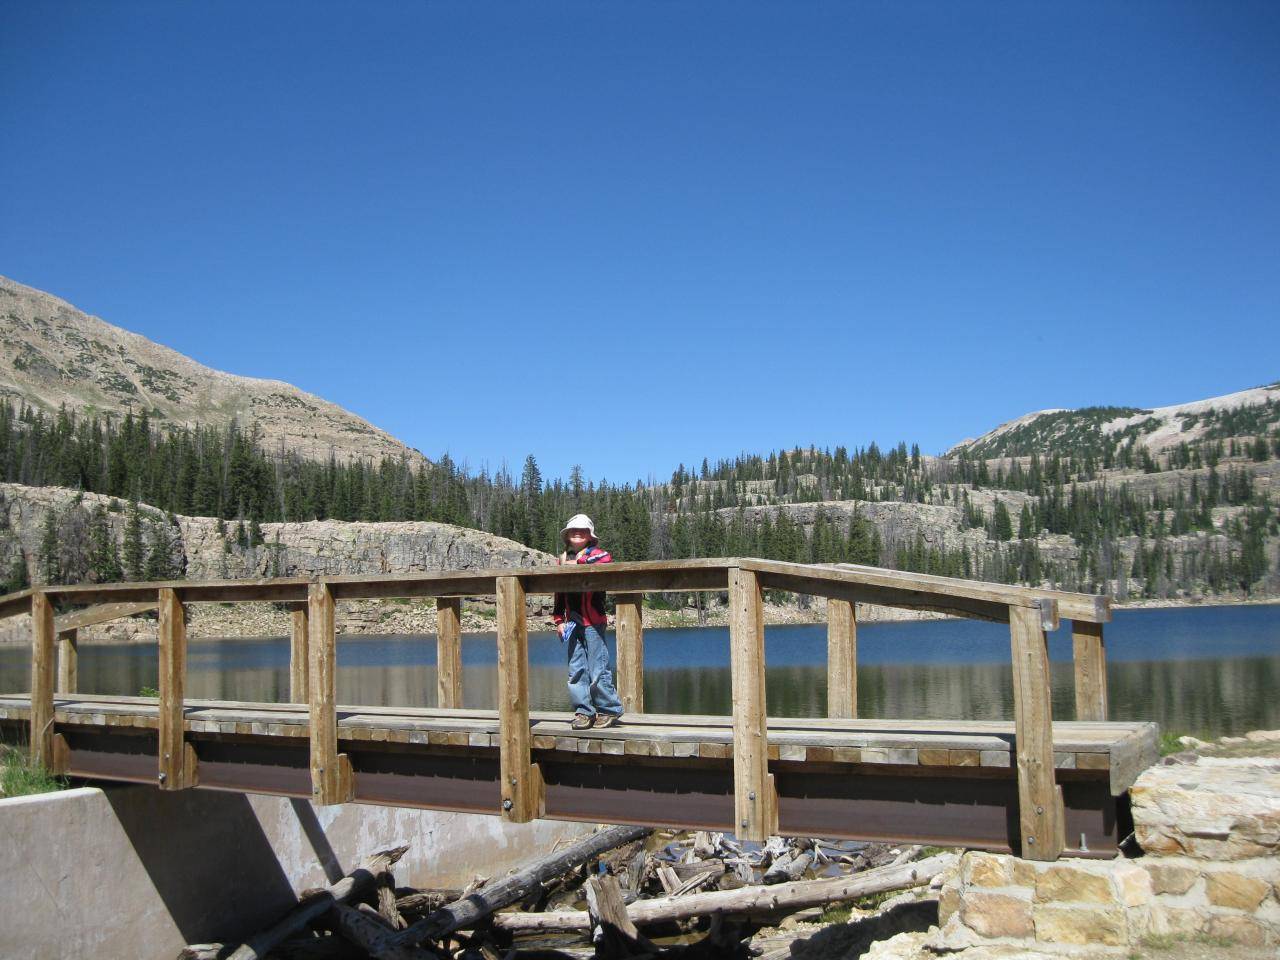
x=1001 y=524
x=50 y=567
x=134 y=550
x=104 y=557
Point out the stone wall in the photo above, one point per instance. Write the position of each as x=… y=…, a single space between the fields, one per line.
x=1208 y=825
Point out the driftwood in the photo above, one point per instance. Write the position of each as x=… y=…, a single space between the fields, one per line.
x=388 y=908
x=791 y=865
x=612 y=930
x=374 y=937
x=425 y=901
x=356 y=883
x=746 y=900
x=473 y=908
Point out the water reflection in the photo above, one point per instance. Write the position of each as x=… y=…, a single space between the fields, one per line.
x=1217 y=674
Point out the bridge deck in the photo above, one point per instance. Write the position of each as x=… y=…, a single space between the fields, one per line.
x=926 y=780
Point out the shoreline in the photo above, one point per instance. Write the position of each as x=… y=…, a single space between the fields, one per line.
x=412 y=618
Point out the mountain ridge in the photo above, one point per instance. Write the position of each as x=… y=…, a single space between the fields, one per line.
x=56 y=354
x=1158 y=428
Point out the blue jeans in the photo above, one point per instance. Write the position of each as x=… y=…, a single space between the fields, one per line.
x=590 y=682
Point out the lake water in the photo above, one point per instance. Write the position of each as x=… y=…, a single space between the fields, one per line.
x=1207 y=671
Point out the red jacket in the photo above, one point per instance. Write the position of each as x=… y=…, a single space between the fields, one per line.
x=586 y=608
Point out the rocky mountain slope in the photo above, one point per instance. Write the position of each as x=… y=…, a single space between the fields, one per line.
x=54 y=354
x=1070 y=432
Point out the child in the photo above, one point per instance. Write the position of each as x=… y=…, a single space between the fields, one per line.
x=581 y=621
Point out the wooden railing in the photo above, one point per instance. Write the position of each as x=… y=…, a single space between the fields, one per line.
x=1029 y=613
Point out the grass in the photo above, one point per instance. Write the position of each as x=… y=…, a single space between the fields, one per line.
x=1169 y=742
x=837 y=913
x=19 y=777
x=148 y=692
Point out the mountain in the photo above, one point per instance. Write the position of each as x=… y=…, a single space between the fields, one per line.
x=54 y=354
x=1095 y=430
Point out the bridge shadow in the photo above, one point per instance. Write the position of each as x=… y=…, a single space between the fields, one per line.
x=208 y=858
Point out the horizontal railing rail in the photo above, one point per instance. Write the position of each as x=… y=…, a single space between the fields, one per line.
x=1030 y=612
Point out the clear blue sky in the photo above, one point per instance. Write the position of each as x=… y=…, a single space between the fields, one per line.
x=629 y=235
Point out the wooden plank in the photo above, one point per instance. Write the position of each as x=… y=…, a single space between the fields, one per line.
x=1090 y=658
x=837 y=589
x=42 y=679
x=941 y=587
x=842 y=659
x=449 y=651
x=755 y=803
x=331 y=776
x=12 y=604
x=629 y=627
x=103 y=613
x=68 y=661
x=1076 y=606
x=172 y=642
x=1131 y=755
x=281 y=589
x=1040 y=813
x=631 y=577
x=522 y=791
x=299 y=665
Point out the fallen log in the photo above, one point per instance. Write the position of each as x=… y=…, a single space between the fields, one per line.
x=356 y=883
x=746 y=900
x=613 y=932
x=476 y=906
x=374 y=937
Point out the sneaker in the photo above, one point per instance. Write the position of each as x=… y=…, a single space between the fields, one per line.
x=605 y=720
x=581 y=721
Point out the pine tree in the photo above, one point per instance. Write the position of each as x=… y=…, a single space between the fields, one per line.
x=50 y=567
x=18 y=576
x=104 y=558
x=134 y=551
x=1001 y=524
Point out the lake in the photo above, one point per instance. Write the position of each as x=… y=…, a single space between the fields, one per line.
x=1206 y=671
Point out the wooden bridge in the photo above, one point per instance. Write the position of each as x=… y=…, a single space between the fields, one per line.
x=1033 y=786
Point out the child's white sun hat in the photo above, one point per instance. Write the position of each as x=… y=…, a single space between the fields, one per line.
x=579 y=521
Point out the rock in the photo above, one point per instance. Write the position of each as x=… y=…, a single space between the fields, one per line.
x=1171 y=877
x=1191 y=743
x=1133 y=884
x=1226 y=809
x=1263 y=736
x=1077 y=882
x=986 y=870
x=1242 y=930
x=1056 y=923
x=1227 y=889
x=997 y=914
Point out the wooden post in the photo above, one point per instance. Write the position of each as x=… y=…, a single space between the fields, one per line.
x=1040 y=813
x=298 y=657
x=755 y=802
x=332 y=780
x=177 y=757
x=42 y=675
x=842 y=659
x=449 y=652
x=1090 y=656
x=68 y=672
x=629 y=629
x=522 y=793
